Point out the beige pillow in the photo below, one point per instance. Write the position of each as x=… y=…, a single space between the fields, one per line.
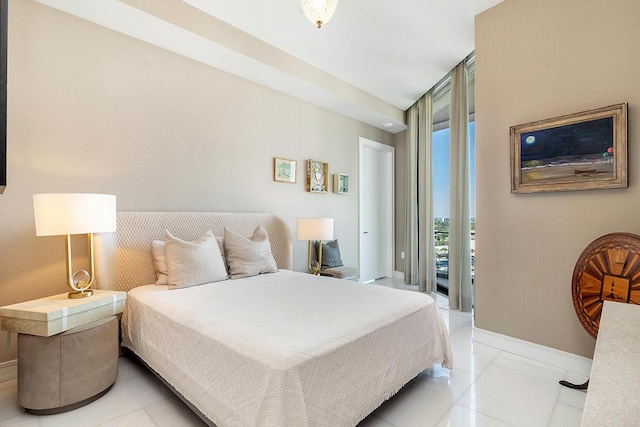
x=160 y=262
x=248 y=256
x=193 y=263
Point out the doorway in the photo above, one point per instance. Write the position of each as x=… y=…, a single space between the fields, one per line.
x=376 y=206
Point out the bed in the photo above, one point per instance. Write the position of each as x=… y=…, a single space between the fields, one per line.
x=277 y=349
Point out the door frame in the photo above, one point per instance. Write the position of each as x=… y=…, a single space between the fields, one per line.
x=389 y=153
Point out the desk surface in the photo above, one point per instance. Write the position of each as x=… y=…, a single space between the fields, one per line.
x=613 y=398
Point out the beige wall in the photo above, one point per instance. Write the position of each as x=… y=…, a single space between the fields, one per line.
x=90 y=110
x=538 y=59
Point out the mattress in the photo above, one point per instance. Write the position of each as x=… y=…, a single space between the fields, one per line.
x=286 y=348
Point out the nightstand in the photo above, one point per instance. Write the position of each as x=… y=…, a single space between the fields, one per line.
x=67 y=349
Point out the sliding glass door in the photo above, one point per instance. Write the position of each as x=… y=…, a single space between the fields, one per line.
x=441 y=173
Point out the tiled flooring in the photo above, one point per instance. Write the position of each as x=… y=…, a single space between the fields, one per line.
x=487 y=387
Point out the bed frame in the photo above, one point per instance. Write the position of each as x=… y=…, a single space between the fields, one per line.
x=124 y=262
x=123 y=258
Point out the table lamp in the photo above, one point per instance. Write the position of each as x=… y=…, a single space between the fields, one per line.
x=314 y=229
x=75 y=213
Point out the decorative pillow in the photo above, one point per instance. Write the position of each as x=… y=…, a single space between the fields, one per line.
x=160 y=262
x=331 y=254
x=248 y=256
x=193 y=263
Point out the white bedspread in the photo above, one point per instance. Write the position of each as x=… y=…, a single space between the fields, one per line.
x=285 y=349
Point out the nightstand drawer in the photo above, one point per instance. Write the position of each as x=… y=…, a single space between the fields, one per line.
x=53 y=315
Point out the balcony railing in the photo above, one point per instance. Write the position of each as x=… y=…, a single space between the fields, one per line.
x=442 y=259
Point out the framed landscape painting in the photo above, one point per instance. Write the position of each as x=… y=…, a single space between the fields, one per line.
x=580 y=151
x=284 y=170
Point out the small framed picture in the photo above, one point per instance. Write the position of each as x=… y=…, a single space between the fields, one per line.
x=341 y=183
x=317 y=176
x=284 y=170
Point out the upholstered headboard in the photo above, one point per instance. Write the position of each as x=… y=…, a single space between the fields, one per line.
x=123 y=258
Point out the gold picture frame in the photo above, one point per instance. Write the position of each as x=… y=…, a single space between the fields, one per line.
x=284 y=170
x=317 y=176
x=581 y=151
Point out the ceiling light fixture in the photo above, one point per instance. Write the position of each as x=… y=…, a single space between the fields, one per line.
x=319 y=11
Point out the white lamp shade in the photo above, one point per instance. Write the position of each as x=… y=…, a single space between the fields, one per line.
x=74 y=213
x=314 y=228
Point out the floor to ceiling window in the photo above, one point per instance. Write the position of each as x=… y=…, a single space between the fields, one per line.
x=441 y=170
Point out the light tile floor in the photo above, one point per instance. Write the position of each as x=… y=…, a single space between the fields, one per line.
x=487 y=387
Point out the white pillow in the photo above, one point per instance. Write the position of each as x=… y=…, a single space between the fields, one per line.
x=160 y=262
x=248 y=256
x=193 y=263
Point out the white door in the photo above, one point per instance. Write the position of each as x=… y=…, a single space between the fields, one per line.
x=376 y=210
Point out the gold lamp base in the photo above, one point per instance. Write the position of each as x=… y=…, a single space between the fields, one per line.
x=80 y=294
x=81 y=280
x=314 y=266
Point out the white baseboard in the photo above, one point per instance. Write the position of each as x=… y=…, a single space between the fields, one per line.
x=8 y=370
x=398 y=275
x=551 y=356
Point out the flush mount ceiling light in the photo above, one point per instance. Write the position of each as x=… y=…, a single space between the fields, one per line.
x=319 y=11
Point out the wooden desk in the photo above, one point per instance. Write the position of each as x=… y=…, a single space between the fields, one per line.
x=613 y=398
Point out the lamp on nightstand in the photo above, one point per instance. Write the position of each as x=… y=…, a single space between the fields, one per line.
x=75 y=213
x=314 y=229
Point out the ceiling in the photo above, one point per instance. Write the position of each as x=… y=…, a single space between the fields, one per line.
x=371 y=61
